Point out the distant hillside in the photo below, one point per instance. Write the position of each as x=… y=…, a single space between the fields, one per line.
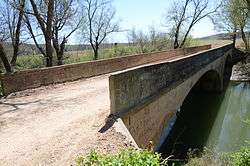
x=221 y=36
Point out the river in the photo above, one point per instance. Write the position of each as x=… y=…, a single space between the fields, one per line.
x=230 y=129
x=216 y=121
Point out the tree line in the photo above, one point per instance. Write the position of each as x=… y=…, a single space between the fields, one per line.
x=53 y=22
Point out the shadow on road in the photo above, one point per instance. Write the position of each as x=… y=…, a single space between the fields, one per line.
x=110 y=121
x=15 y=106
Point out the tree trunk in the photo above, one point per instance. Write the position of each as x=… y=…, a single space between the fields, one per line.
x=49 y=34
x=61 y=51
x=244 y=38
x=49 y=52
x=49 y=61
x=96 y=54
x=15 y=53
x=234 y=37
x=176 y=42
x=16 y=43
x=59 y=59
x=186 y=35
x=4 y=59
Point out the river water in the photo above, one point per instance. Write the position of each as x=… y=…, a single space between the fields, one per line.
x=216 y=121
x=230 y=129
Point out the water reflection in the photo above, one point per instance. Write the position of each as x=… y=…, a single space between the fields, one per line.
x=230 y=131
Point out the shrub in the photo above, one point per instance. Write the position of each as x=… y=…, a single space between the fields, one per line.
x=210 y=158
x=123 y=158
x=240 y=158
x=30 y=62
x=207 y=158
x=70 y=58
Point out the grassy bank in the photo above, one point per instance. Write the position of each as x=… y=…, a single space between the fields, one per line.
x=132 y=157
x=148 y=158
x=209 y=158
x=124 y=158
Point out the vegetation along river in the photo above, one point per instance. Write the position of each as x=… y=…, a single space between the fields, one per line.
x=216 y=121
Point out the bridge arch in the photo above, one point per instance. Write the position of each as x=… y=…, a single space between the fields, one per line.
x=189 y=130
x=209 y=82
x=227 y=72
x=204 y=82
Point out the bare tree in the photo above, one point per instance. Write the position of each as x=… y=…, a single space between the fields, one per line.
x=4 y=35
x=139 y=39
x=99 y=23
x=66 y=22
x=4 y=59
x=43 y=10
x=151 y=41
x=30 y=23
x=184 y=15
x=225 y=20
x=12 y=12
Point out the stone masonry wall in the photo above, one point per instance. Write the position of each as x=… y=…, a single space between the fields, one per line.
x=148 y=97
x=27 y=79
x=130 y=88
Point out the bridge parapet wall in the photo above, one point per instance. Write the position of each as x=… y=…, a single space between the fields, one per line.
x=136 y=95
x=27 y=79
x=130 y=88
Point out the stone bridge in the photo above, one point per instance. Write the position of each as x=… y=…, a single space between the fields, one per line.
x=148 y=98
x=53 y=124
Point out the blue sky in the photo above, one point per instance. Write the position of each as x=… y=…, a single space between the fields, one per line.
x=142 y=13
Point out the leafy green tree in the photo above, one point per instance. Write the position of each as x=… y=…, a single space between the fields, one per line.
x=233 y=16
x=241 y=13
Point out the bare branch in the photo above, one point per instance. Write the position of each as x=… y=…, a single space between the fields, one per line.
x=100 y=22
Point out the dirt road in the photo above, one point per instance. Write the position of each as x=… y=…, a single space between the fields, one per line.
x=53 y=125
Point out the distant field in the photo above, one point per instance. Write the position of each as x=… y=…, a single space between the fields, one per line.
x=37 y=60
x=214 y=42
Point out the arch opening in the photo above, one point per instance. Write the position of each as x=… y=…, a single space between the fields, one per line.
x=195 y=117
x=210 y=82
x=227 y=70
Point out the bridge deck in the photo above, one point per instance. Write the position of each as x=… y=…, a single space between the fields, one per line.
x=52 y=125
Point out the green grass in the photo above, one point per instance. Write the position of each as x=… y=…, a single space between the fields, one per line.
x=132 y=157
x=75 y=57
x=30 y=62
x=37 y=61
x=123 y=158
x=210 y=158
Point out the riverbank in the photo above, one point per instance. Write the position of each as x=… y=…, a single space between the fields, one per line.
x=241 y=71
